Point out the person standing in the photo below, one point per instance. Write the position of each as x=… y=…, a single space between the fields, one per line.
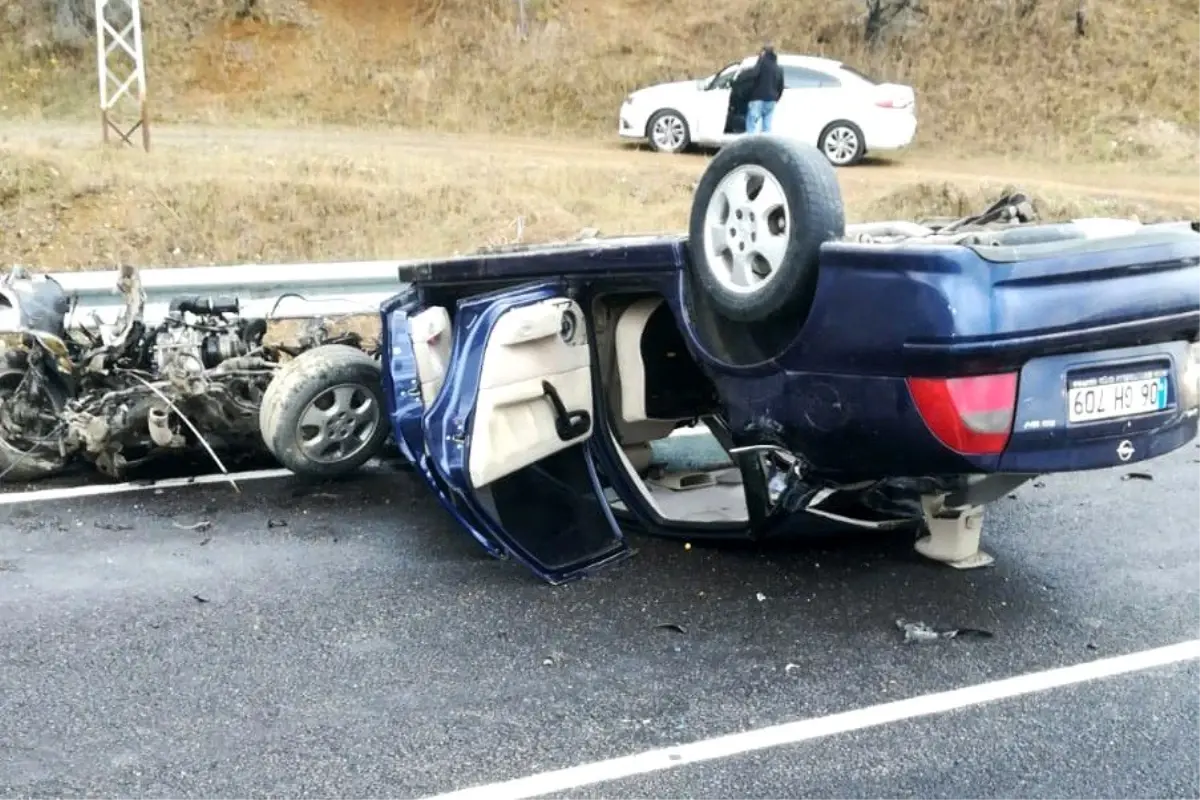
x=765 y=93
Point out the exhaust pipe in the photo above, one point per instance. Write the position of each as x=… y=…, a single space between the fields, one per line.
x=159 y=423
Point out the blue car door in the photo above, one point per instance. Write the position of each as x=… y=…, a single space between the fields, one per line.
x=416 y=346
x=508 y=433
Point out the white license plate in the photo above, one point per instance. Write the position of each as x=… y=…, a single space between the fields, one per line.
x=1095 y=399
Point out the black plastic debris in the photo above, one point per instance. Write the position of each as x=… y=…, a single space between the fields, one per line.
x=277 y=523
x=671 y=626
x=199 y=599
x=1137 y=476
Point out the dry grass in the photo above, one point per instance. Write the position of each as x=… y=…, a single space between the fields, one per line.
x=993 y=76
x=941 y=199
x=78 y=207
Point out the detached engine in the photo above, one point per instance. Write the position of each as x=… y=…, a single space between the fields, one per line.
x=119 y=394
x=204 y=368
x=185 y=344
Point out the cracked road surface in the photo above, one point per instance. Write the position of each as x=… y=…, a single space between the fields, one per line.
x=347 y=640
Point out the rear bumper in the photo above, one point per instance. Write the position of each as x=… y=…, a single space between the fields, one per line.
x=892 y=134
x=1044 y=440
x=1103 y=452
x=868 y=427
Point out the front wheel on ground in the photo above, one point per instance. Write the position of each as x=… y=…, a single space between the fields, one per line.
x=323 y=413
x=29 y=428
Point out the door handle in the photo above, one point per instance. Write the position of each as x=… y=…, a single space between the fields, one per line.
x=568 y=424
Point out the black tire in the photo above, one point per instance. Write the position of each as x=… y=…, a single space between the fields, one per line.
x=22 y=462
x=814 y=207
x=665 y=117
x=831 y=137
x=308 y=380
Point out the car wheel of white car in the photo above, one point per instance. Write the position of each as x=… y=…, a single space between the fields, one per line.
x=843 y=144
x=323 y=413
x=668 y=131
x=761 y=211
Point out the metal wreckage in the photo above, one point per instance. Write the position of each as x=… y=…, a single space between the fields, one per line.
x=119 y=394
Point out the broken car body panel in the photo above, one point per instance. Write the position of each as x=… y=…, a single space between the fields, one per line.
x=508 y=431
x=406 y=386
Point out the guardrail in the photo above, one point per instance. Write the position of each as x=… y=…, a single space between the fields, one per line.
x=282 y=291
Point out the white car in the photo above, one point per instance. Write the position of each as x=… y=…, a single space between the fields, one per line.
x=825 y=102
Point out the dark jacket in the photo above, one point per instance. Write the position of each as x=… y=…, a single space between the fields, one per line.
x=768 y=78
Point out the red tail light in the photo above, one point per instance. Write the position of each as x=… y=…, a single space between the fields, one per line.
x=972 y=416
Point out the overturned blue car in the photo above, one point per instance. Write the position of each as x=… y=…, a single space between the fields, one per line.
x=881 y=375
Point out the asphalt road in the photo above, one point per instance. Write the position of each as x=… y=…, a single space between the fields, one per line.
x=347 y=640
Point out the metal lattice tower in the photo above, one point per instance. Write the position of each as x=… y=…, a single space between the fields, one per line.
x=122 y=69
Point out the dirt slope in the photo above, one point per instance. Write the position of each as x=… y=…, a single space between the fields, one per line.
x=228 y=195
x=995 y=77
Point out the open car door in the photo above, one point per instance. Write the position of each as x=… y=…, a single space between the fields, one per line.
x=509 y=431
x=711 y=114
x=416 y=346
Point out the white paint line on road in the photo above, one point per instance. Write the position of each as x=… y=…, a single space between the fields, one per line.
x=92 y=490
x=805 y=730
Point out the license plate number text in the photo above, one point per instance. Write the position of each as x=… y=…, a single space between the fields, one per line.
x=1090 y=401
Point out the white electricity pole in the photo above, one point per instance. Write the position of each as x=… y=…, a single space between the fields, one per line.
x=121 y=67
x=522 y=20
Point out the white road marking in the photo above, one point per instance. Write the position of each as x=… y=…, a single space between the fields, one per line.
x=91 y=490
x=804 y=730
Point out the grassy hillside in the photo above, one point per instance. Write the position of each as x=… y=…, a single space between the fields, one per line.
x=994 y=76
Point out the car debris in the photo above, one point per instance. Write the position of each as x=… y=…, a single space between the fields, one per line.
x=199 y=527
x=923 y=633
x=119 y=395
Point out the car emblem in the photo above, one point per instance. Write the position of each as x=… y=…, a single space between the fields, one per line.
x=1125 y=450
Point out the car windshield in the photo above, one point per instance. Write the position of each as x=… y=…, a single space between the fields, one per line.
x=722 y=78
